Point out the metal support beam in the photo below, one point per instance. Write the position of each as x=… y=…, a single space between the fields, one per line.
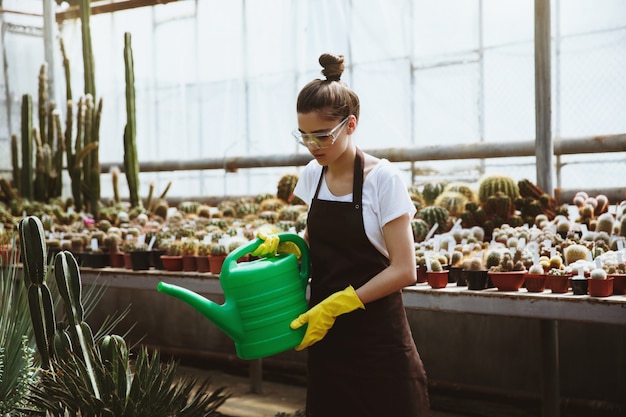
x=550 y=391
x=543 y=108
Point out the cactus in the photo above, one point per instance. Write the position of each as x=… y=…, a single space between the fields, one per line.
x=435 y=214
x=88 y=65
x=131 y=162
x=15 y=165
x=598 y=273
x=285 y=187
x=33 y=249
x=576 y=252
x=420 y=229
x=432 y=190
x=219 y=250
x=435 y=265
x=26 y=181
x=462 y=188
x=491 y=184
x=605 y=223
x=68 y=281
x=453 y=201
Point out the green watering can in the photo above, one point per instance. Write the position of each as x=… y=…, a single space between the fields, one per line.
x=262 y=297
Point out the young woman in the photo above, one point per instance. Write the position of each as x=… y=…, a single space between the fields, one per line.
x=362 y=360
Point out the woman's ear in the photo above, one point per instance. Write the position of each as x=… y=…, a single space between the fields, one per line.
x=352 y=124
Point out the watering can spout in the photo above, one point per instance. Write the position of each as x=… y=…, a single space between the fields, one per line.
x=219 y=314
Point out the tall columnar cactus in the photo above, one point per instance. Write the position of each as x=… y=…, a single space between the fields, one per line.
x=56 y=172
x=88 y=64
x=33 y=249
x=68 y=281
x=26 y=180
x=93 y=165
x=131 y=162
x=15 y=162
x=43 y=101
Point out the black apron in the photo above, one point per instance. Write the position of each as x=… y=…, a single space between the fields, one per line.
x=367 y=365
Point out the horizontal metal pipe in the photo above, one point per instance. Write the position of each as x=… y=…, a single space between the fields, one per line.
x=594 y=144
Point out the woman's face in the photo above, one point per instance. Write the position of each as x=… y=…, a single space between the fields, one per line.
x=326 y=139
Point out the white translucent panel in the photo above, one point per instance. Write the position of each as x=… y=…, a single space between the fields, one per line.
x=385 y=100
x=322 y=27
x=583 y=16
x=446 y=105
x=509 y=101
x=269 y=45
x=509 y=21
x=444 y=27
x=271 y=116
x=593 y=170
x=220 y=32
x=591 y=64
x=380 y=30
x=176 y=45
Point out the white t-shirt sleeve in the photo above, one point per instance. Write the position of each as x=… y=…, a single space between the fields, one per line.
x=307 y=182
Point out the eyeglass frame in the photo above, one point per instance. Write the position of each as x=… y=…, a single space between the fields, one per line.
x=313 y=139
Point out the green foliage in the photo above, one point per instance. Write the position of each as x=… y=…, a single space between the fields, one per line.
x=491 y=184
x=17 y=361
x=432 y=190
x=131 y=161
x=153 y=389
x=91 y=376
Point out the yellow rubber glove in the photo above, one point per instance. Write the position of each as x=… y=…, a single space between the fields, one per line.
x=270 y=242
x=322 y=317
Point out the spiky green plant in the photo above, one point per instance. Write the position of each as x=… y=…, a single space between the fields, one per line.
x=92 y=376
x=17 y=361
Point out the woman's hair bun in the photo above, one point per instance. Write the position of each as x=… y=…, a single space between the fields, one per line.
x=333 y=66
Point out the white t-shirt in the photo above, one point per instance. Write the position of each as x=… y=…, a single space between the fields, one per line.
x=385 y=197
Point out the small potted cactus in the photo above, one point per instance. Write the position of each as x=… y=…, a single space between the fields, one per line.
x=202 y=258
x=437 y=276
x=476 y=273
x=172 y=260
x=557 y=279
x=618 y=273
x=112 y=243
x=189 y=252
x=508 y=273
x=599 y=283
x=535 y=278
x=140 y=257
x=217 y=257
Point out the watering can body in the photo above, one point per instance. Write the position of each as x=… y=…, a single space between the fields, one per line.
x=262 y=297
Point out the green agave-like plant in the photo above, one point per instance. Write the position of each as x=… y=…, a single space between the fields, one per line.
x=17 y=361
x=91 y=375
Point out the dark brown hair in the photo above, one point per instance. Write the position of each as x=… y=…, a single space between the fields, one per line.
x=331 y=97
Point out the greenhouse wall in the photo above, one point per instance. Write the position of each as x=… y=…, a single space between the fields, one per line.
x=219 y=79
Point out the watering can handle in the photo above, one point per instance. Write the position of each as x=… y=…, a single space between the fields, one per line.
x=243 y=250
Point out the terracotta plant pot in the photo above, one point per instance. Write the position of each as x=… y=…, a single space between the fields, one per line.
x=619 y=283
x=215 y=263
x=172 y=263
x=128 y=264
x=189 y=263
x=202 y=263
x=600 y=287
x=507 y=281
x=476 y=280
x=422 y=276
x=116 y=259
x=579 y=285
x=437 y=279
x=558 y=284
x=535 y=282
